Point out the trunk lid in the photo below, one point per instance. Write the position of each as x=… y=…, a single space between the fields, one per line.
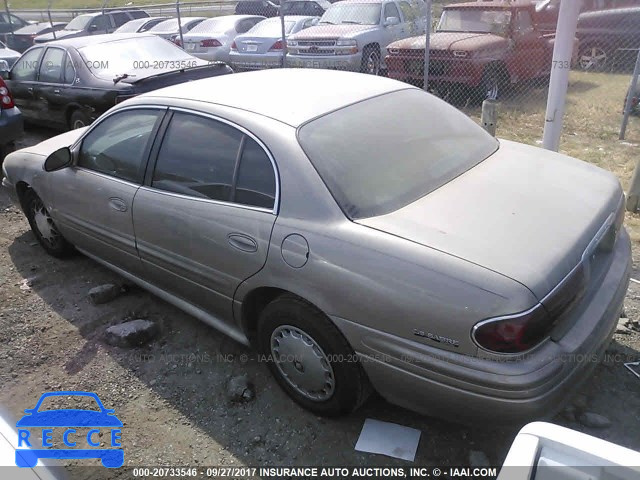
x=526 y=213
x=254 y=44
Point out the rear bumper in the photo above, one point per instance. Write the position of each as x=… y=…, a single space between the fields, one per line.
x=11 y=125
x=510 y=390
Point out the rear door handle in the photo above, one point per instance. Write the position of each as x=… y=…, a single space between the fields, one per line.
x=118 y=204
x=57 y=91
x=243 y=242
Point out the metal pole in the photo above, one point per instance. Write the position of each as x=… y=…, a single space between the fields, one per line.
x=179 y=23
x=53 y=30
x=427 y=44
x=559 y=82
x=283 y=61
x=490 y=116
x=6 y=7
x=632 y=91
x=104 y=4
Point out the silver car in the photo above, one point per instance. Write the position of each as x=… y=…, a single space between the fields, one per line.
x=8 y=55
x=212 y=39
x=170 y=29
x=368 y=235
x=261 y=47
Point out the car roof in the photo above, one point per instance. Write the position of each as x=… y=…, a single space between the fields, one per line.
x=79 y=42
x=309 y=92
x=493 y=4
x=623 y=11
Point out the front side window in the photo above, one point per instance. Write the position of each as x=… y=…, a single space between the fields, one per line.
x=390 y=10
x=26 y=68
x=100 y=24
x=475 y=20
x=220 y=163
x=119 y=145
x=524 y=24
x=382 y=154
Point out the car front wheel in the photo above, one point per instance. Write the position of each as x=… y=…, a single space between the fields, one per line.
x=44 y=228
x=310 y=358
x=370 y=61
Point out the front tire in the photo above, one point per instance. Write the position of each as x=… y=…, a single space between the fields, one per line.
x=44 y=228
x=78 y=120
x=310 y=358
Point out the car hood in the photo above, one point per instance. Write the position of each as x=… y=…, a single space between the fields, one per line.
x=47 y=37
x=524 y=212
x=69 y=418
x=331 y=31
x=52 y=144
x=464 y=41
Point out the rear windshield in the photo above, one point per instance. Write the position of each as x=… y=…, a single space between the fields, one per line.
x=220 y=24
x=170 y=25
x=131 y=26
x=382 y=154
x=79 y=22
x=271 y=28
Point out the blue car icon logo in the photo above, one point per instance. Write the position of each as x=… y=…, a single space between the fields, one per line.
x=67 y=419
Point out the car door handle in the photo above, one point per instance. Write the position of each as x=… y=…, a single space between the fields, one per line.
x=243 y=242
x=57 y=91
x=118 y=204
x=30 y=89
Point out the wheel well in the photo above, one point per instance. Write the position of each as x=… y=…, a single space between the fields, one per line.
x=502 y=70
x=372 y=45
x=69 y=112
x=21 y=189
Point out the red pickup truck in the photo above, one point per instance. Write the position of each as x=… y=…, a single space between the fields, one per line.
x=483 y=46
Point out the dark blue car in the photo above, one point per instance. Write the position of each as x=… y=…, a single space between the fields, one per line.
x=111 y=457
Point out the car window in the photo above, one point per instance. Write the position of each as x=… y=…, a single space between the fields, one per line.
x=309 y=22
x=408 y=11
x=390 y=10
x=52 y=67
x=17 y=21
x=244 y=26
x=100 y=23
x=524 y=24
x=138 y=14
x=256 y=184
x=205 y=169
x=69 y=71
x=26 y=68
x=119 y=145
x=121 y=18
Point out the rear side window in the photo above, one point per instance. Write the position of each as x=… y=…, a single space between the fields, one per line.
x=52 y=67
x=221 y=163
x=138 y=14
x=121 y=18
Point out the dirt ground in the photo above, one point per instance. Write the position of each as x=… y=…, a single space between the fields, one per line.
x=172 y=394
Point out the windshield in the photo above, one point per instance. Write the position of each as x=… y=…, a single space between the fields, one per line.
x=220 y=24
x=134 y=56
x=271 y=28
x=132 y=26
x=352 y=13
x=475 y=20
x=170 y=25
x=79 y=22
x=382 y=154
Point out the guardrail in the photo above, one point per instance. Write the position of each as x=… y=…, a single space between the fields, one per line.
x=202 y=8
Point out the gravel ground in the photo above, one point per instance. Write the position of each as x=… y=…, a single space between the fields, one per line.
x=172 y=393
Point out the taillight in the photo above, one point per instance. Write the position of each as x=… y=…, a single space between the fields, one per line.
x=276 y=46
x=210 y=42
x=515 y=333
x=6 y=100
x=234 y=46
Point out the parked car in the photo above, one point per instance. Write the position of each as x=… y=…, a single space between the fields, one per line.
x=263 y=8
x=69 y=83
x=11 y=123
x=8 y=55
x=261 y=47
x=469 y=277
x=10 y=23
x=170 y=30
x=547 y=11
x=483 y=46
x=313 y=8
x=24 y=37
x=608 y=38
x=354 y=34
x=140 y=25
x=212 y=39
x=93 y=24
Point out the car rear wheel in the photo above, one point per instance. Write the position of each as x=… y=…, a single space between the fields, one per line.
x=78 y=120
x=370 y=61
x=310 y=358
x=44 y=228
x=593 y=58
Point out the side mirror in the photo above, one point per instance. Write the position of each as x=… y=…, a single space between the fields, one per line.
x=58 y=160
x=4 y=70
x=93 y=27
x=391 y=21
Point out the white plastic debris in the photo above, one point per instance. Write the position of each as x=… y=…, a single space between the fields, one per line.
x=388 y=439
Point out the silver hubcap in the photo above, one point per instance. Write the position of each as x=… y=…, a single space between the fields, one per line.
x=44 y=223
x=302 y=363
x=594 y=58
x=372 y=64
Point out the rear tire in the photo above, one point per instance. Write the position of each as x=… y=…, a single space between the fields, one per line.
x=44 y=228
x=593 y=58
x=78 y=120
x=310 y=358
